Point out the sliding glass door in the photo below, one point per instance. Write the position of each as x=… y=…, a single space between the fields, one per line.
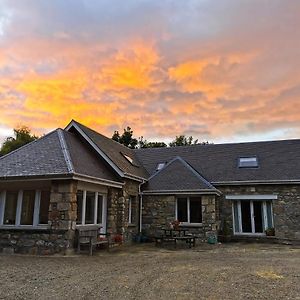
x=252 y=216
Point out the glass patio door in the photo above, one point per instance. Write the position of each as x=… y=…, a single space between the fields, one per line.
x=252 y=216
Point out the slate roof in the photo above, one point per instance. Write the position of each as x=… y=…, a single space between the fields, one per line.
x=218 y=163
x=41 y=157
x=177 y=175
x=115 y=151
x=59 y=153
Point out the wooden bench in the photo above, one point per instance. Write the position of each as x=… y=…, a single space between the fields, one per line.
x=90 y=235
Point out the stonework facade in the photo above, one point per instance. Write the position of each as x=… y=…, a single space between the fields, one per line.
x=159 y=212
x=286 y=209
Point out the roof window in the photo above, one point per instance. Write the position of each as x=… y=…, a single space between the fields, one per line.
x=160 y=166
x=128 y=158
x=248 y=162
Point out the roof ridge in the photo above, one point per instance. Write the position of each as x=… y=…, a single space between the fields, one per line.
x=30 y=143
x=65 y=150
x=215 y=145
x=106 y=137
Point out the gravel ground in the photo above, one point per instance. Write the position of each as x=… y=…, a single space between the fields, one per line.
x=232 y=271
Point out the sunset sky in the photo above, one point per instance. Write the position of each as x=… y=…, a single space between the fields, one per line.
x=217 y=70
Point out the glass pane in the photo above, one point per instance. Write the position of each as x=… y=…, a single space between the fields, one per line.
x=99 y=209
x=27 y=207
x=44 y=207
x=10 y=208
x=236 y=217
x=246 y=216
x=90 y=208
x=269 y=214
x=79 y=207
x=258 y=221
x=182 y=209
x=195 y=210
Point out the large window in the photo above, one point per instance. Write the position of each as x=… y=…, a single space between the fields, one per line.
x=28 y=207
x=90 y=208
x=189 y=210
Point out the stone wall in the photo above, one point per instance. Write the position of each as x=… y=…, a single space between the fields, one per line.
x=286 y=209
x=129 y=231
x=159 y=212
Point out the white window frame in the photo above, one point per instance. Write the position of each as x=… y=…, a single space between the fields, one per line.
x=129 y=210
x=264 y=217
x=188 y=211
x=36 y=211
x=103 y=216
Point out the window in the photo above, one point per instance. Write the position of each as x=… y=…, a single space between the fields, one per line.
x=128 y=158
x=248 y=162
x=131 y=206
x=160 y=166
x=10 y=208
x=29 y=207
x=90 y=208
x=44 y=207
x=189 y=210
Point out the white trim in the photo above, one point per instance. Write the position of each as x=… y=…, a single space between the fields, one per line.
x=83 y=208
x=19 y=208
x=104 y=156
x=96 y=208
x=2 y=206
x=36 y=211
x=129 y=210
x=96 y=180
x=252 y=217
x=251 y=197
x=240 y=216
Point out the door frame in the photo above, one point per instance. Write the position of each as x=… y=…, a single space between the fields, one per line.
x=239 y=214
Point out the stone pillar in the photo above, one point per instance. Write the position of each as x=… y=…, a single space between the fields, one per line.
x=63 y=214
x=209 y=218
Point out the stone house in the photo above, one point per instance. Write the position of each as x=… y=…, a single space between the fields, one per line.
x=75 y=177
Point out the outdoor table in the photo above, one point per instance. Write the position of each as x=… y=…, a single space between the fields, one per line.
x=174 y=235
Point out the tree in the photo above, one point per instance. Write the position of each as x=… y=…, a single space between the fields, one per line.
x=22 y=136
x=183 y=140
x=126 y=138
x=145 y=144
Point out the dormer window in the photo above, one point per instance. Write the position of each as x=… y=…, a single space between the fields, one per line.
x=160 y=166
x=248 y=162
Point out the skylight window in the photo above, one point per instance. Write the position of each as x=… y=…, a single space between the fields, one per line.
x=160 y=166
x=128 y=158
x=248 y=162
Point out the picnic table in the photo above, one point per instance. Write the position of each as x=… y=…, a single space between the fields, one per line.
x=174 y=235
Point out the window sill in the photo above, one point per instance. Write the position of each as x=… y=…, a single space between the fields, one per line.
x=25 y=227
x=191 y=225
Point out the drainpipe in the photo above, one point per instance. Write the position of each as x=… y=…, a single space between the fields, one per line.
x=141 y=206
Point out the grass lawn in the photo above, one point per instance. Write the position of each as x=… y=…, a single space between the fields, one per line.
x=227 y=271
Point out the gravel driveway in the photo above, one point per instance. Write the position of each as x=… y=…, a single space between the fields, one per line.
x=232 y=271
